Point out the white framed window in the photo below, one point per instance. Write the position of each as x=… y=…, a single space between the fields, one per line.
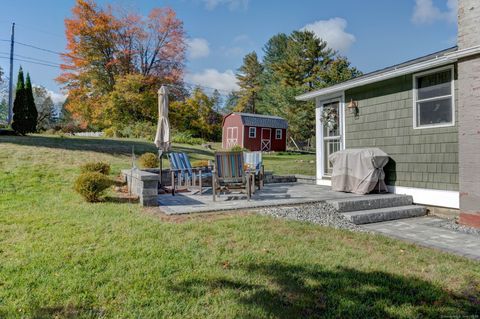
x=278 y=134
x=433 y=98
x=252 y=132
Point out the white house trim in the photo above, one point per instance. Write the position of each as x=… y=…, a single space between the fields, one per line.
x=433 y=197
x=415 y=97
x=319 y=129
x=447 y=58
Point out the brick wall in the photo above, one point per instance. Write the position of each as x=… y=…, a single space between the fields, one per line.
x=422 y=158
x=469 y=113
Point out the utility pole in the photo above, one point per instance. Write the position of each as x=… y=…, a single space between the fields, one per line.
x=10 y=80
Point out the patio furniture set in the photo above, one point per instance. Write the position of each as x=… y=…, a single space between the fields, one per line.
x=241 y=171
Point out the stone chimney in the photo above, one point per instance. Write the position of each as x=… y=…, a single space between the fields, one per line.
x=468 y=106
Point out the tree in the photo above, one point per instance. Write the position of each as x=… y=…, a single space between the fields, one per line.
x=305 y=57
x=45 y=108
x=339 y=70
x=294 y=64
x=20 y=121
x=31 y=109
x=197 y=115
x=103 y=47
x=133 y=99
x=249 y=80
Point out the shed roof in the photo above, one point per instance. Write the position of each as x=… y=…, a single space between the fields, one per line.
x=260 y=120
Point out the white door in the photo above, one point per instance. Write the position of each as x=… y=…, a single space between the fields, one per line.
x=232 y=137
x=331 y=117
x=266 y=139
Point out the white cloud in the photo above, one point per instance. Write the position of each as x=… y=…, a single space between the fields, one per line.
x=425 y=11
x=332 y=31
x=198 y=48
x=57 y=98
x=212 y=78
x=232 y=4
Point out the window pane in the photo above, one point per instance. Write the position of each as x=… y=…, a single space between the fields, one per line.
x=331 y=119
x=434 y=112
x=434 y=85
x=330 y=147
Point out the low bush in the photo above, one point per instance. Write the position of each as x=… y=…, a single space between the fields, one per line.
x=110 y=132
x=92 y=185
x=96 y=167
x=148 y=160
x=237 y=148
x=186 y=138
x=200 y=163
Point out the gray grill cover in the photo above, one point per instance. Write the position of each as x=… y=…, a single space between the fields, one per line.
x=359 y=171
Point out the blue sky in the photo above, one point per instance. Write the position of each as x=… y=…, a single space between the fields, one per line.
x=373 y=34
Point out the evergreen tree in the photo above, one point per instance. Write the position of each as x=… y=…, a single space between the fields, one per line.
x=249 y=80
x=32 y=114
x=305 y=58
x=20 y=121
x=274 y=51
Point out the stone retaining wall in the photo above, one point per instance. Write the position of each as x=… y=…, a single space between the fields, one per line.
x=142 y=184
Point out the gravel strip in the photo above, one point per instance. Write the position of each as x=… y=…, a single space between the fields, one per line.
x=452 y=225
x=318 y=213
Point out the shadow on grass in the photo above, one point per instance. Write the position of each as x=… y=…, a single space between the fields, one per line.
x=101 y=145
x=310 y=292
x=121 y=200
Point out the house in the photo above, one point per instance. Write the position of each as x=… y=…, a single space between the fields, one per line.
x=425 y=113
x=254 y=132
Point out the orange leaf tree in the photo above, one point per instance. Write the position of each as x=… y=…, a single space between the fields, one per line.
x=105 y=47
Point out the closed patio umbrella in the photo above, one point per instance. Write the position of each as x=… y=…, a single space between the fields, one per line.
x=162 y=137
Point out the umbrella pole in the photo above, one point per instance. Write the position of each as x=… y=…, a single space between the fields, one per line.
x=160 y=172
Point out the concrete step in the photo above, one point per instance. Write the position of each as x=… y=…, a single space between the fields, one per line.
x=384 y=214
x=370 y=202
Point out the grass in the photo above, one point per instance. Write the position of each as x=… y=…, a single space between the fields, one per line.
x=61 y=257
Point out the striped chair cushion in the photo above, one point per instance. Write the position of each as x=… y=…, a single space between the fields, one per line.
x=229 y=166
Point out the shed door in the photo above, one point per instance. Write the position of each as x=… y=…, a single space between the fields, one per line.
x=232 y=136
x=266 y=139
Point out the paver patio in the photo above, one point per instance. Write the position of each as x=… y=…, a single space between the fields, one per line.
x=270 y=195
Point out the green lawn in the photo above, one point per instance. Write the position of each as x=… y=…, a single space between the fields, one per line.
x=63 y=258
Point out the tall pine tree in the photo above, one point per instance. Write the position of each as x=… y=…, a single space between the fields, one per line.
x=249 y=80
x=32 y=113
x=24 y=110
x=19 y=123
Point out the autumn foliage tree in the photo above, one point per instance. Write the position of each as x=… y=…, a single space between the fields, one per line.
x=106 y=47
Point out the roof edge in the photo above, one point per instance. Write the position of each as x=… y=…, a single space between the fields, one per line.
x=436 y=61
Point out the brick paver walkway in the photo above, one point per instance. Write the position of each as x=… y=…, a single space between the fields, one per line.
x=426 y=232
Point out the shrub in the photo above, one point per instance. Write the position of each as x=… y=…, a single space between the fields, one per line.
x=96 y=167
x=200 y=163
x=148 y=160
x=236 y=148
x=110 y=132
x=92 y=185
x=186 y=138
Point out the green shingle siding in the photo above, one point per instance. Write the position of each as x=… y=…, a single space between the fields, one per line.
x=422 y=158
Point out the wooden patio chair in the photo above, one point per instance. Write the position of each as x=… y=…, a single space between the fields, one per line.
x=183 y=174
x=254 y=161
x=230 y=173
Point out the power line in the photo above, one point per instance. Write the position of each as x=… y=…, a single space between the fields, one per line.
x=33 y=62
x=30 y=58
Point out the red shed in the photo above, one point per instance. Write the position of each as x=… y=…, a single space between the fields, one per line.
x=254 y=132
